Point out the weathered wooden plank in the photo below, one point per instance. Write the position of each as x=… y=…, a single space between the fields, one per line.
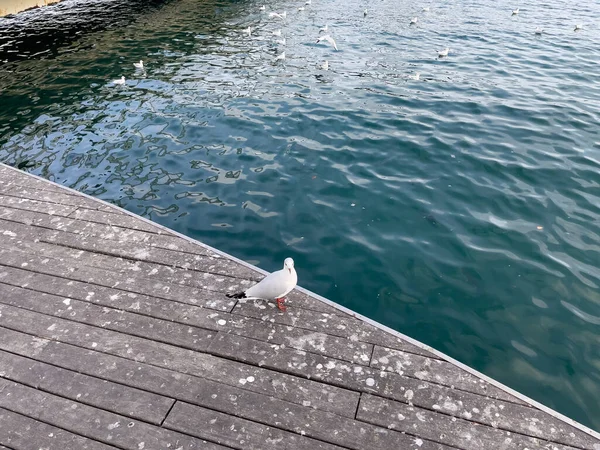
x=386 y=384
x=62 y=198
x=247 y=435
x=76 y=226
x=289 y=388
x=93 y=423
x=11 y=177
x=436 y=371
x=338 y=324
x=456 y=432
x=52 y=209
x=109 y=218
x=81 y=388
x=236 y=400
x=112 y=319
x=337 y=431
x=298 y=338
x=70 y=269
x=23 y=433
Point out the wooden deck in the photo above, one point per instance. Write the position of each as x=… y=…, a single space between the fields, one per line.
x=116 y=333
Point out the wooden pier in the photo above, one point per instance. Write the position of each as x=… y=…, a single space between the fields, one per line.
x=115 y=333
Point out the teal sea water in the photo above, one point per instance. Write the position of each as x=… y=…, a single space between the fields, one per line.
x=462 y=209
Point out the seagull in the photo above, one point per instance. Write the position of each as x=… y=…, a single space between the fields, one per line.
x=280 y=41
x=274 y=286
x=277 y=33
x=515 y=12
x=301 y=8
x=324 y=29
x=263 y=7
x=365 y=13
x=324 y=66
x=119 y=81
x=578 y=27
x=247 y=30
x=281 y=16
x=308 y=2
x=539 y=31
x=442 y=53
x=328 y=39
x=414 y=21
x=416 y=76
x=139 y=65
x=282 y=58
x=426 y=8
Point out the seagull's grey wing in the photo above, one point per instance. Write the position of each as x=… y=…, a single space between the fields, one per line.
x=271 y=287
x=331 y=41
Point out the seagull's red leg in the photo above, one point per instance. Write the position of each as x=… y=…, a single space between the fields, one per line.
x=280 y=304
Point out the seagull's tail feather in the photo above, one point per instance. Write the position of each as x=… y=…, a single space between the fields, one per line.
x=237 y=295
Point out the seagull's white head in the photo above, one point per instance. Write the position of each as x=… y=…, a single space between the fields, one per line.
x=288 y=264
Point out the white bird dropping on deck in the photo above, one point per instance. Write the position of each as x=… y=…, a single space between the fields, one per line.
x=119 y=81
x=274 y=286
x=139 y=65
x=328 y=39
x=443 y=53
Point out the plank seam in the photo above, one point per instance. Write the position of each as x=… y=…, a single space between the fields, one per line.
x=346 y=310
x=162 y=422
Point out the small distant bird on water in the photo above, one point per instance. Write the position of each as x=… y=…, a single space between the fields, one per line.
x=280 y=57
x=578 y=27
x=539 y=31
x=280 y=41
x=515 y=12
x=308 y=2
x=139 y=65
x=281 y=16
x=324 y=29
x=301 y=8
x=365 y=13
x=416 y=76
x=277 y=33
x=248 y=31
x=443 y=53
x=414 y=20
x=426 y=8
x=274 y=286
x=119 y=81
x=328 y=39
x=324 y=66
x=263 y=7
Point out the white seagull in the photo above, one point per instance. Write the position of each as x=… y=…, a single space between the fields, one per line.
x=578 y=27
x=324 y=66
x=426 y=8
x=274 y=286
x=280 y=41
x=281 y=16
x=515 y=12
x=539 y=31
x=248 y=31
x=365 y=13
x=443 y=53
x=281 y=58
x=414 y=21
x=301 y=8
x=263 y=7
x=308 y=2
x=277 y=33
x=119 y=81
x=139 y=65
x=416 y=76
x=328 y=39
x=324 y=29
